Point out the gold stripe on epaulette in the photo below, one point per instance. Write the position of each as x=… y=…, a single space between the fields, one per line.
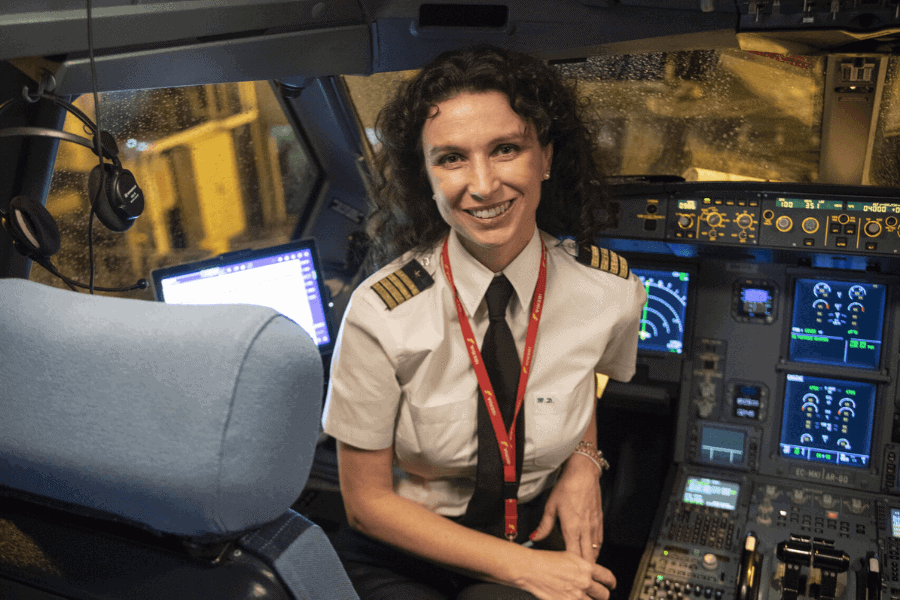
x=613 y=263
x=623 y=267
x=385 y=295
x=400 y=286
x=409 y=283
x=393 y=291
x=603 y=259
x=403 y=284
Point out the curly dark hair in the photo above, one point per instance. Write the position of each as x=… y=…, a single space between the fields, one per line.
x=574 y=201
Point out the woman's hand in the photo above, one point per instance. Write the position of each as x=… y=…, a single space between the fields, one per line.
x=576 y=501
x=553 y=575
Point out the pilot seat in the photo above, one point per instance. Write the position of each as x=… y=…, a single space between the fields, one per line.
x=154 y=451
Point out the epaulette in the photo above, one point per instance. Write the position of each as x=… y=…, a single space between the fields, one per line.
x=603 y=259
x=403 y=284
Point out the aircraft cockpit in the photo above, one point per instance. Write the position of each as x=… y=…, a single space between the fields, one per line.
x=752 y=155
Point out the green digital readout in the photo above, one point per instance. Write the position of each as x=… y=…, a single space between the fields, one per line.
x=883 y=208
x=687 y=205
x=807 y=204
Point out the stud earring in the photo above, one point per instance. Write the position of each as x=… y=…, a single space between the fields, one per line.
x=547 y=175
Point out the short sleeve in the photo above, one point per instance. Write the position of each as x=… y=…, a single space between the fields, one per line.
x=363 y=391
x=620 y=355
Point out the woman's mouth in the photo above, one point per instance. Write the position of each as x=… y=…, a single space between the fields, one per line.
x=490 y=213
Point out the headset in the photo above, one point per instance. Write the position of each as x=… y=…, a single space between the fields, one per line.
x=115 y=196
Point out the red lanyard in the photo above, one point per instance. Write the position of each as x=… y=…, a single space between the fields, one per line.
x=506 y=440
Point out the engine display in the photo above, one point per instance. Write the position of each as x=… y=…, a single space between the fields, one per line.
x=827 y=420
x=838 y=323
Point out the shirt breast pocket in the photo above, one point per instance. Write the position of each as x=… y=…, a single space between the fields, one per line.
x=551 y=429
x=443 y=434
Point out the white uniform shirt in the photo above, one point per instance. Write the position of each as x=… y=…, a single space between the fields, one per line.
x=403 y=376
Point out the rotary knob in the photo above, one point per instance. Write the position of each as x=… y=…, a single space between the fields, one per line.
x=873 y=229
x=685 y=221
x=783 y=224
x=714 y=219
x=710 y=562
x=810 y=225
x=744 y=220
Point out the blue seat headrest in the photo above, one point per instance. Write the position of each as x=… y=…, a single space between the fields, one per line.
x=198 y=421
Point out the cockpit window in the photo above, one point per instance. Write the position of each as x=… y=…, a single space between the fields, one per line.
x=220 y=167
x=701 y=115
x=885 y=168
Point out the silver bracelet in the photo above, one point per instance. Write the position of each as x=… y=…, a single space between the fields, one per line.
x=587 y=449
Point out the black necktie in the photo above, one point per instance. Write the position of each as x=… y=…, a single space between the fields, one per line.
x=501 y=360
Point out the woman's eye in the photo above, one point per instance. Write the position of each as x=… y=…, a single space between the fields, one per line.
x=507 y=149
x=449 y=159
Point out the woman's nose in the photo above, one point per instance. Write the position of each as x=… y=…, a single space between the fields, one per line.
x=484 y=180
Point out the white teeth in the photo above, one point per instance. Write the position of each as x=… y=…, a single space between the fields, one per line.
x=490 y=213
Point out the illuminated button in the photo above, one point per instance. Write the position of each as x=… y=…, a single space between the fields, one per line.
x=873 y=228
x=810 y=225
x=850 y=229
x=710 y=562
x=841 y=242
x=809 y=242
x=835 y=227
x=871 y=246
x=783 y=224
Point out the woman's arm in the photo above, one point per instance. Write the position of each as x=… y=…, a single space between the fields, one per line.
x=576 y=501
x=375 y=510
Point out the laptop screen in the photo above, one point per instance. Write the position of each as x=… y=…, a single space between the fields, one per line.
x=287 y=278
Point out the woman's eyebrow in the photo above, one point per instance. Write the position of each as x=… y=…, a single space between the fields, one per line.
x=517 y=137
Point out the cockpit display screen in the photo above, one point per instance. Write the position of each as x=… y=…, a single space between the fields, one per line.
x=838 y=323
x=827 y=420
x=663 y=318
x=713 y=493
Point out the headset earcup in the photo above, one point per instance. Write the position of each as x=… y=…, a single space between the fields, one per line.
x=32 y=228
x=103 y=208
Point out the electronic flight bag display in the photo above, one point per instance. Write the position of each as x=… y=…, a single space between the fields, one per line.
x=287 y=278
x=663 y=317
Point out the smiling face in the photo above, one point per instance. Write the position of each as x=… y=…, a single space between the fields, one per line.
x=485 y=166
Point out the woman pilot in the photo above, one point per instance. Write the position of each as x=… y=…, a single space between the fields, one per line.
x=463 y=391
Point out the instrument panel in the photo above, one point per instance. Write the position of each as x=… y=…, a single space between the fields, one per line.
x=779 y=307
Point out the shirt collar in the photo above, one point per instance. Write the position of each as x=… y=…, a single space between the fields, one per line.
x=473 y=278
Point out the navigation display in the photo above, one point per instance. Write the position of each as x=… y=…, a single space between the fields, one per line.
x=837 y=323
x=663 y=318
x=711 y=492
x=827 y=420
